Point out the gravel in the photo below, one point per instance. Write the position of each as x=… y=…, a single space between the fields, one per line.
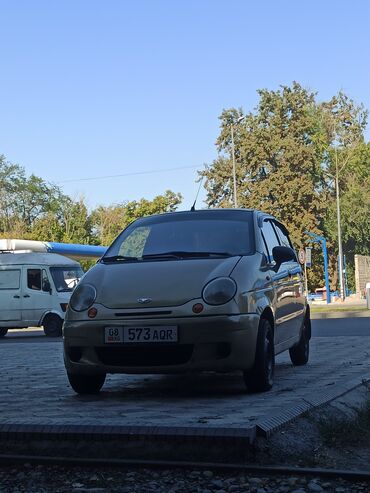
x=27 y=478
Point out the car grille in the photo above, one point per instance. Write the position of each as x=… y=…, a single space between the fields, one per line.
x=145 y=355
x=143 y=314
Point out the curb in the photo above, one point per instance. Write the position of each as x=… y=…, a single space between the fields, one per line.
x=129 y=442
x=269 y=425
x=163 y=442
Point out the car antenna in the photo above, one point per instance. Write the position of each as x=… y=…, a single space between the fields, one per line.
x=196 y=197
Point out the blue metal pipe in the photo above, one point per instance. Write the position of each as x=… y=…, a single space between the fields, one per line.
x=75 y=250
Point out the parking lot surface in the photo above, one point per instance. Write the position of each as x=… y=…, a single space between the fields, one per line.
x=35 y=389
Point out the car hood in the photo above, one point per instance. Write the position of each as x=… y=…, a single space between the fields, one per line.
x=166 y=283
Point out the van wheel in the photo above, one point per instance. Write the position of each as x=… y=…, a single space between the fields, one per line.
x=300 y=353
x=86 y=384
x=53 y=325
x=3 y=331
x=261 y=377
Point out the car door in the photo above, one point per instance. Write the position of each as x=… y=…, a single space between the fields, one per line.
x=296 y=283
x=280 y=279
x=10 y=294
x=35 y=299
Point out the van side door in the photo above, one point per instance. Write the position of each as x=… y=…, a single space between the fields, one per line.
x=36 y=298
x=10 y=294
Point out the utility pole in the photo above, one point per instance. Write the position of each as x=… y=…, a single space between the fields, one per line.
x=340 y=247
x=233 y=158
x=234 y=170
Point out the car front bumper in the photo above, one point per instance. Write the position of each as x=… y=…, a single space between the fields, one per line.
x=217 y=343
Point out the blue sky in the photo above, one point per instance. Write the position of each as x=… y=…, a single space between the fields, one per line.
x=92 y=88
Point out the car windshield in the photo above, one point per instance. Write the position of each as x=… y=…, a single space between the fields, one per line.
x=66 y=278
x=179 y=236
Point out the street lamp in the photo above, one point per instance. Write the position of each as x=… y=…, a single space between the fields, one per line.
x=233 y=157
x=340 y=247
x=339 y=231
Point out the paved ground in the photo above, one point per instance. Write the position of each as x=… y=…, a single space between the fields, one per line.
x=34 y=389
x=333 y=327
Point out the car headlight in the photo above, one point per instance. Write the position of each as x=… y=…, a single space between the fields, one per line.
x=83 y=297
x=219 y=291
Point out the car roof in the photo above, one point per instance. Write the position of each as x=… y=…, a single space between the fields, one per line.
x=49 y=259
x=259 y=215
x=220 y=210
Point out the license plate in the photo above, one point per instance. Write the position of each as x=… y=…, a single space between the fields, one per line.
x=135 y=335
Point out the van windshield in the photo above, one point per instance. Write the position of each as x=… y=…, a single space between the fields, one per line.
x=66 y=278
x=181 y=236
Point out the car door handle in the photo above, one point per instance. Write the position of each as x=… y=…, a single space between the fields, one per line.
x=16 y=296
x=26 y=296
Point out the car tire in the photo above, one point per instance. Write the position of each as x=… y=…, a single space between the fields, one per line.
x=86 y=384
x=52 y=325
x=300 y=353
x=3 y=331
x=260 y=378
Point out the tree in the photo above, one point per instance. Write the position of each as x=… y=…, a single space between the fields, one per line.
x=278 y=162
x=285 y=150
x=24 y=200
x=109 y=221
x=354 y=185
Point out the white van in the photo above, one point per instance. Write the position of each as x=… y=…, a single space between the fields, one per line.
x=35 y=289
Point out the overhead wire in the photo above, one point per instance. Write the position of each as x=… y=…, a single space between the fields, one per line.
x=134 y=173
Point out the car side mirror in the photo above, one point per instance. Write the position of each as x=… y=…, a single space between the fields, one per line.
x=46 y=286
x=283 y=254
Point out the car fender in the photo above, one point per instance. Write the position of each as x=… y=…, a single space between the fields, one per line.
x=48 y=312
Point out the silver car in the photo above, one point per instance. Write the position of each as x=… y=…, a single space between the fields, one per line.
x=216 y=290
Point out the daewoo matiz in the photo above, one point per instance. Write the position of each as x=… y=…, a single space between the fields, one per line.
x=216 y=290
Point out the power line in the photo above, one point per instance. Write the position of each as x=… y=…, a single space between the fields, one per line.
x=127 y=174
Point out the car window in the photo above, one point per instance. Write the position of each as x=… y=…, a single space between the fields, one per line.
x=193 y=233
x=270 y=238
x=283 y=237
x=198 y=236
x=9 y=279
x=133 y=245
x=34 y=279
x=45 y=281
x=66 y=278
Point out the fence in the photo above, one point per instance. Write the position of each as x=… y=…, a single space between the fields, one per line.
x=362 y=273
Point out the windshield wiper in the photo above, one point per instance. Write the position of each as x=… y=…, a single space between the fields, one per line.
x=118 y=258
x=164 y=255
x=177 y=254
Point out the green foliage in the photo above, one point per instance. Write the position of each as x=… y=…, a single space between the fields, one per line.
x=274 y=146
x=354 y=186
x=109 y=221
x=286 y=152
x=339 y=431
x=31 y=208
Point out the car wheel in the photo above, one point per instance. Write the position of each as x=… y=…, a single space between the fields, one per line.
x=3 y=331
x=299 y=353
x=260 y=378
x=52 y=325
x=86 y=384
